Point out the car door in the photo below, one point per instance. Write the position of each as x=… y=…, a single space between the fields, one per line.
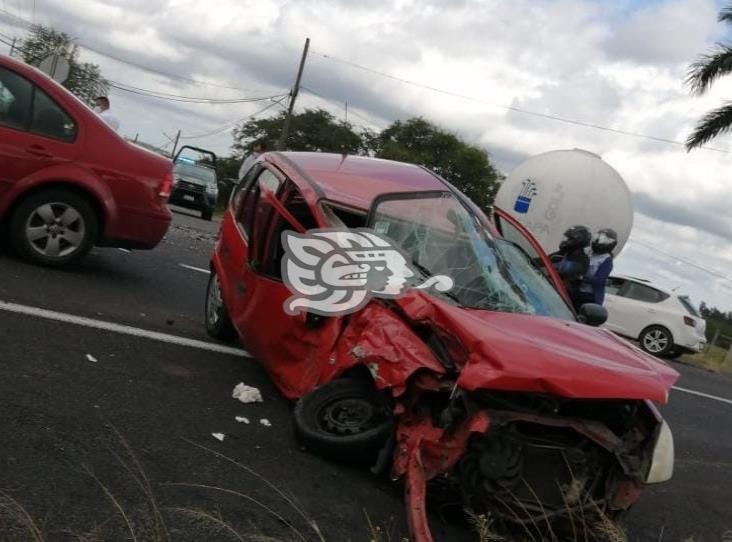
x=294 y=348
x=615 y=305
x=35 y=131
x=237 y=238
x=635 y=307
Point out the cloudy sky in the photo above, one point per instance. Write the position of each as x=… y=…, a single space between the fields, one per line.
x=612 y=63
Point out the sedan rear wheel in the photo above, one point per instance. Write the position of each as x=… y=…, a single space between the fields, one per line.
x=656 y=340
x=53 y=227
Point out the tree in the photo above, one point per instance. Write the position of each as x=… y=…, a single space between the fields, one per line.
x=702 y=73
x=417 y=141
x=312 y=130
x=85 y=79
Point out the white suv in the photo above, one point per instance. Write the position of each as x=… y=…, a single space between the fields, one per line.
x=665 y=324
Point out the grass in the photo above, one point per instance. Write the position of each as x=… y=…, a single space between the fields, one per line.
x=151 y=521
x=712 y=359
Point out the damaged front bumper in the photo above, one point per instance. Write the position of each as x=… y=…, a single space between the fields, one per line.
x=535 y=469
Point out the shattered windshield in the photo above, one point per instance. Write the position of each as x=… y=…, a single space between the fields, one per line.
x=441 y=238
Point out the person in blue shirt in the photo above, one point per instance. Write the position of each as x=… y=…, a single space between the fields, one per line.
x=592 y=288
x=571 y=261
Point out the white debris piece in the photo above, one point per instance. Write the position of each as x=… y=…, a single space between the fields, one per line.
x=218 y=436
x=91 y=358
x=247 y=394
x=265 y=422
x=241 y=419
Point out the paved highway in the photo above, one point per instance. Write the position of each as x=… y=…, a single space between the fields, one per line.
x=110 y=387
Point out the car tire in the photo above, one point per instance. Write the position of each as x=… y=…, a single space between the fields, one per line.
x=347 y=419
x=207 y=215
x=218 y=323
x=53 y=227
x=657 y=341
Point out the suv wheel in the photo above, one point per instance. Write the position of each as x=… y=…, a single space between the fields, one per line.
x=206 y=215
x=53 y=227
x=657 y=340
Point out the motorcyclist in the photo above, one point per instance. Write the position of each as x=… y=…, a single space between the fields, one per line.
x=571 y=260
x=592 y=288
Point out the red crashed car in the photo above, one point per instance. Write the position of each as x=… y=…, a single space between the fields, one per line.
x=494 y=392
x=67 y=180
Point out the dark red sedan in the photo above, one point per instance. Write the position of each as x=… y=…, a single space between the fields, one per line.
x=489 y=390
x=68 y=181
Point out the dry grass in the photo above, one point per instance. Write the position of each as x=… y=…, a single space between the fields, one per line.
x=19 y=516
x=712 y=359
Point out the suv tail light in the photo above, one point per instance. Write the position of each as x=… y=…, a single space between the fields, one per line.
x=166 y=186
x=689 y=321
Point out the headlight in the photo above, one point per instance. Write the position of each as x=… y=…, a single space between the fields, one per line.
x=662 y=465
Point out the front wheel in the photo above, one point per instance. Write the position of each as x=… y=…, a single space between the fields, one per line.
x=345 y=419
x=657 y=341
x=53 y=227
x=218 y=323
x=207 y=215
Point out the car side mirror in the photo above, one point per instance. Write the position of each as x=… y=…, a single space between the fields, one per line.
x=592 y=314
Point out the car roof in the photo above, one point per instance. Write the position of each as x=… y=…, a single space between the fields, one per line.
x=357 y=180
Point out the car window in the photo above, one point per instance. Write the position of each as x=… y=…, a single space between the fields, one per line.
x=300 y=210
x=198 y=172
x=16 y=95
x=641 y=292
x=248 y=209
x=689 y=306
x=614 y=285
x=50 y=120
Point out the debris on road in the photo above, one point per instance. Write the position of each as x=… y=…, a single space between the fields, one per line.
x=265 y=422
x=91 y=358
x=218 y=436
x=241 y=419
x=247 y=394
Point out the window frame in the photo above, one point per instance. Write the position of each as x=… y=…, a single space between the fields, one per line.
x=29 y=113
x=250 y=188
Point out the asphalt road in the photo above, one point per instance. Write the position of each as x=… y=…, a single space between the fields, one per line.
x=102 y=430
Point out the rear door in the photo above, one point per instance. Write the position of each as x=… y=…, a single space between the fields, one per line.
x=35 y=131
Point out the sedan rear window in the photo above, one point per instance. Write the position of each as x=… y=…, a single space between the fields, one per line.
x=689 y=306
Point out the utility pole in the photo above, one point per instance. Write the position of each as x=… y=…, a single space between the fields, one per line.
x=12 y=46
x=293 y=96
x=175 y=144
x=346 y=112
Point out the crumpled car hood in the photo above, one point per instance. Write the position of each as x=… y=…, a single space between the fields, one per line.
x=520 y=352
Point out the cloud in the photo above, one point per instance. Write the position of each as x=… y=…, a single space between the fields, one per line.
x=615 y=64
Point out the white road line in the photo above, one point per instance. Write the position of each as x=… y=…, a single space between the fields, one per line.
x=706 y=395
x=199 y=269
x=119 y=328
x=124 y=250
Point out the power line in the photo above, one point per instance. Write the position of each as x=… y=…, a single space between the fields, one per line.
x=683 y=260
x=512 y=108
x=186 y=99
x=234 y=123
x=351 y=110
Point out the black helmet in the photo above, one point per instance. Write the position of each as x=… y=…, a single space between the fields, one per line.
x=574 y=238
x=605 y=241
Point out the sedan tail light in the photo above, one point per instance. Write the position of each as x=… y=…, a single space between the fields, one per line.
x=689 y=321
x=166 y=186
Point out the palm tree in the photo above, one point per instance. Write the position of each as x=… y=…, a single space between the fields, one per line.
x=702 y=74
